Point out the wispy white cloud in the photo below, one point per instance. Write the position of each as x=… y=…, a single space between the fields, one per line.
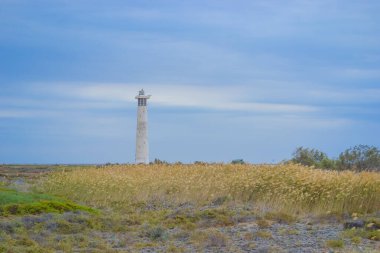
x=215 y=98
x=255 y=96
x=317 y=107
x=295 y=121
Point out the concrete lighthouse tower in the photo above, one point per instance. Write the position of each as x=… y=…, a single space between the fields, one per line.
x=142 y=146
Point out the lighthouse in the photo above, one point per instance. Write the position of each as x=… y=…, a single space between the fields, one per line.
x=142 y=145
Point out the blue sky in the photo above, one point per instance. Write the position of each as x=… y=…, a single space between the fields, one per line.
x=228 y=79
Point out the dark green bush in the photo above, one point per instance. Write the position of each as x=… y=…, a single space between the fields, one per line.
x=313 y=157
x=238 y=161
x=360 y=158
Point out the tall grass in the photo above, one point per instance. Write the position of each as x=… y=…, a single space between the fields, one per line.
x=288 y=187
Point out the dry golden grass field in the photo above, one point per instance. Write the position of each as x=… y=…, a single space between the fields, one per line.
x=290 y=188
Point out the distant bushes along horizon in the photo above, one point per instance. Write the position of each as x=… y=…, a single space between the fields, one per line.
x=357 y=158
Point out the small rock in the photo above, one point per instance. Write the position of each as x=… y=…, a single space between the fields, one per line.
x=354 y=224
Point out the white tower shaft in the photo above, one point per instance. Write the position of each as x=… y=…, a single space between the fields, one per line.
x=142 y=145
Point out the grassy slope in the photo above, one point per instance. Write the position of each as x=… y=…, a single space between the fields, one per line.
x=13 y=202
x=9 y=196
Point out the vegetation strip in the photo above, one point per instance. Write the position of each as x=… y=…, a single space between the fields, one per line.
x=290 y=188
x=13 y=202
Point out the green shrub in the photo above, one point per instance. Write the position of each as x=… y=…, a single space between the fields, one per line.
x=238 y=161
x=280 y=217
x=156 y=233
x=373 y=235
x=335 y=243
x=263 y=234
x=359 y=158
x=262 y=223
x=313 y=157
